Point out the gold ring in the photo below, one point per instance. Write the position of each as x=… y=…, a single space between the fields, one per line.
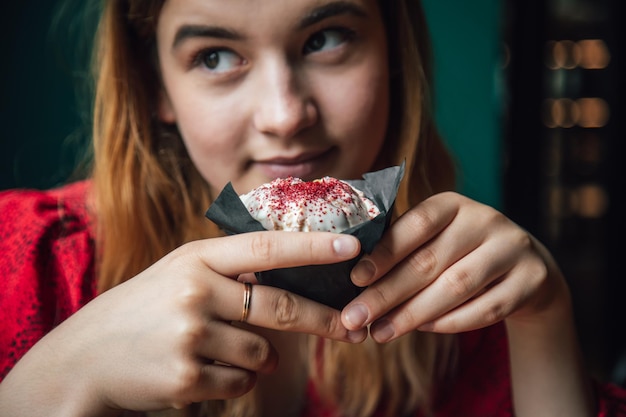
x=247 y=296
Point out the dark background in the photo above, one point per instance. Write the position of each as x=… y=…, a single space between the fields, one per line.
x=495 y=72
x=44 y=108
x=565 y=181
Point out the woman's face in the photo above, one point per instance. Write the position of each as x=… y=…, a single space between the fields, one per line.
x=262 y=89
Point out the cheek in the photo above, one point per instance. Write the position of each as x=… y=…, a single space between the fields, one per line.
x=370 y=109
x=209 y=134
x=209 y=124
x=360 y=110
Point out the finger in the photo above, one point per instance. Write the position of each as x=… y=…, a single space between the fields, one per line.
x=278 y=309
x=465 y=279
x=214 y=381
x=248 y=277
x=493 y=306
x=404 y=281
x=412 y=230
x=261 y=251
x=411 y=275
x=238 y=347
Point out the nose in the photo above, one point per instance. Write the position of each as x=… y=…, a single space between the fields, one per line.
x=284 y=106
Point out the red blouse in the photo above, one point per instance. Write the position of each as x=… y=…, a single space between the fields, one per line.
x=47 y=273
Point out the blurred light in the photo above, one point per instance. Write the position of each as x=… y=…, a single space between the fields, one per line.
x=560 y=112
x=589 y=200
x=587 y=54
x=594 y=112
x=594 y=54
x=591 y=112
x=563 y=54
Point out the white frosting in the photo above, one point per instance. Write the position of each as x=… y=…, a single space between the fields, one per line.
x=326 y=204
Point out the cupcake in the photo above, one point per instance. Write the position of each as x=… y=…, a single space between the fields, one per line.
x=361 y=208
x=324 y=205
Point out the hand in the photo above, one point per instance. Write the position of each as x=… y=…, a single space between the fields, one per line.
x=165 y=339
x=451 y=265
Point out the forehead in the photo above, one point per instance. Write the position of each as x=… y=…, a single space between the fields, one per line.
x=252 y=15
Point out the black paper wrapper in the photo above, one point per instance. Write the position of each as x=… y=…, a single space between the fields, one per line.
x=329 y=283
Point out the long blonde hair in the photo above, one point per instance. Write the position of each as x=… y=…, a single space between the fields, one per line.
x=150 y=198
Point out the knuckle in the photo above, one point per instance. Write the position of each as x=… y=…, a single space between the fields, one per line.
x=537 y=271
x=194 y=246
x=384 y=251
x=540 y=269
x=486 y=217
x=261 y=246
x=420 y=221
x=493 y=216
x=423 y=262
x=287 y=312
x=259 y=352
x=192 y=292
x=459 y=283
x=191 y=333
x=331 y=323
x=194 y=250
x=186 y=377
x=496 y=312
x=379 y=294
x=312 y=248
x=404 y=318
x=235 y=387
x=522 y=239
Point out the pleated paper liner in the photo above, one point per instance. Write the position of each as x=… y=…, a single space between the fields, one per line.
x=329 y=283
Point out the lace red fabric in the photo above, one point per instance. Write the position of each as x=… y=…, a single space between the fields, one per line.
x=47 y=274
x=46 y=264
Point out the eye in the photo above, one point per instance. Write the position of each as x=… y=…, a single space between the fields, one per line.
x=326 y=39
x=218 y=60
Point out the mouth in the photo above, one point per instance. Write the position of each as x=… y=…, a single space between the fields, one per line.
x=307 y=165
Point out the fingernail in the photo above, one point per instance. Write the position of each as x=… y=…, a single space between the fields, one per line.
x=363 y=271
x=382 y=331
x=357 y=336
x=345 y=246
x=356 y=315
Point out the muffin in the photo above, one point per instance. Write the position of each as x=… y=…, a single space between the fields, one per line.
x=361 y=208
x=324 y=205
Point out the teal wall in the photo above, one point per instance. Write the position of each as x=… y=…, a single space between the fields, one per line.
x=40 y=114
x=467 y=46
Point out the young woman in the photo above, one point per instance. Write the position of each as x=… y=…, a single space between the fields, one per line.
x=119 y=295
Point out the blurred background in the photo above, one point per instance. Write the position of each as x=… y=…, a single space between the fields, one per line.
x=529 y=96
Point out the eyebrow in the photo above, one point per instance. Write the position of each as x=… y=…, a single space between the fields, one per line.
x=329 y=10
x=314 y=16
x=201 y=31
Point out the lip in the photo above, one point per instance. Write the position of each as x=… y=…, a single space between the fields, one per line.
x=304 y=165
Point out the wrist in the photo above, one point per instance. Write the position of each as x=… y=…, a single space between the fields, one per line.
x=551 y=302
x=51 y=380
x=77 y=371
x=547 y=368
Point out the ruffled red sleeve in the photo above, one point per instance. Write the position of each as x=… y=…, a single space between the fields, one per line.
x=46 y=264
